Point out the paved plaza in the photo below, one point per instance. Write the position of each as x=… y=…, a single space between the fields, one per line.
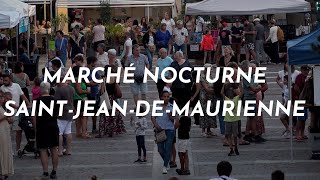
x=112 y=158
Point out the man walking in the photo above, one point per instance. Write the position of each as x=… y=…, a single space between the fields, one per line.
x=236 y=39
x=259 y=45
x=249 y=35
x=140 y=62
x=273 y=36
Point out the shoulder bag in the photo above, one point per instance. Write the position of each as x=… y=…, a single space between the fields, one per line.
x=117 y=91
x=104 y=97
x=160 y=136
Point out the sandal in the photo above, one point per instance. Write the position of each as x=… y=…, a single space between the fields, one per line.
x=244 y=142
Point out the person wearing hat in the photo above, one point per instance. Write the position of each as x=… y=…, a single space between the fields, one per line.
x=77 y=43
x=249 y=33
x=260 y=38
x=273 y=37
x=236 y=33
x=297 y=90
x=225 y=37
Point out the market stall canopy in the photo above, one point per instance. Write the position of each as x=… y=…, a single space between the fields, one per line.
x=246 y=7
x=300 y=50
x=114 y=3
x=15 y=6
x=8 y=19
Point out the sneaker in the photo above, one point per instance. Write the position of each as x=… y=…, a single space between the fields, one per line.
x=53 y=176
x=164 y=170
x=286 y=134
x=236 y=151
x=231 y=153
x=259 y=139
x=42 y=177
x=173 y=165
x=204 y=134
x=179 y=171
x=137 y=161
x=144 y=161
x=247 y=138
x=168 y=167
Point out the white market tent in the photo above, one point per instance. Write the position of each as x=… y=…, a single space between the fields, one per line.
x=246 y=7
x=9 y=19
x=114 y=3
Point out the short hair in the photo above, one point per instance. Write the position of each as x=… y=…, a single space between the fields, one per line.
x=102 y=46
x=244 y=64
x=163 y=49
x=56 y=63
x=232 y=65
x=164 y=92
x=173 y=178
x=45 y=87
x=37 y=81
x=18 y=67
x=255 y=62
x=75 y=71
x=128 y=18
x=285 y=77
x=91 y=59
x=136 y=46
x=60 y=32
x=135 y=22
x=179 y=53
x=180 y=22
x=99 y=21
x=277 y=175
x=206 y=32
x=224 y=168
x=79 y=57
x=163 y=24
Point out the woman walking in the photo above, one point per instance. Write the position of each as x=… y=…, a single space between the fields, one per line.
x=207 y=94
x=6 y=158
x=21 y=78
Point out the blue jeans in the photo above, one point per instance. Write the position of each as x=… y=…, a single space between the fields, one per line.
x=165 y=147
x=150 y=58
x=221 y=118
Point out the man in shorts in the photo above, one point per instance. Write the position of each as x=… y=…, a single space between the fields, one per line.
x=140 y=62
x=236 y=33
x=17 y=93
x=249 y=33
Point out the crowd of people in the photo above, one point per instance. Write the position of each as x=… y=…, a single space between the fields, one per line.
x=54 y=132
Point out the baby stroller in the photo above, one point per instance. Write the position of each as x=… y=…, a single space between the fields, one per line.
x=29 y=130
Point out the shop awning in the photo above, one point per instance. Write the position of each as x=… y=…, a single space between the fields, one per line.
x=114 y=3
x=246 y=7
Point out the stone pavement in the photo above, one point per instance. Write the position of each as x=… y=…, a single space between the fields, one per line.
x=112 y=158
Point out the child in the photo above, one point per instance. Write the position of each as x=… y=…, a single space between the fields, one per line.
x=36 y=89
x=207 y=45
x=231 y=92
x=284 y=117
x=140 y=125
x=184 y=126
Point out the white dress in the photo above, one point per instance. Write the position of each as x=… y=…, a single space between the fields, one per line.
x=6 y=158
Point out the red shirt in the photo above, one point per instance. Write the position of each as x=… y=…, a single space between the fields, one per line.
x=300 y=82
x=207 y=43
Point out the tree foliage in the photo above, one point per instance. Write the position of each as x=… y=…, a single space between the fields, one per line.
x=105 y=11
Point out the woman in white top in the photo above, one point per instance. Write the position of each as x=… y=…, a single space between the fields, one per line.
x=102 y=56
x=170 y=27
x=98 y=31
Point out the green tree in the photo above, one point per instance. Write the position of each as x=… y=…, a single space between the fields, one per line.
x=105 y=11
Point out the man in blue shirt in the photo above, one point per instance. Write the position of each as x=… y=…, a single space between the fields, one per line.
x=94 y=95
x=163 y=62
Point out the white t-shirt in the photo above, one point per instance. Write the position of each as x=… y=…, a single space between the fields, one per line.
x=99 y=31
x=151 y=41
x=170 y=23
x=199 y=24
x=128 y=43
x=15 y=90
x=103 y=59
x=180 y=35
x=76 y=23
x=293 y=76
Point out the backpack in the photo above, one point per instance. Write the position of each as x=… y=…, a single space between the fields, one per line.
x=280 y=34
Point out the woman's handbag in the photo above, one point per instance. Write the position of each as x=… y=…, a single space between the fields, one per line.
x=160 y=136
x=104 y=97
x=117 y=91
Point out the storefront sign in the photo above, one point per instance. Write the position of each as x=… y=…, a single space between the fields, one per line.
x=194 y=47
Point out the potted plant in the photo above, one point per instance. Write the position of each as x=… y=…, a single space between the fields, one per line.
x=115 y=35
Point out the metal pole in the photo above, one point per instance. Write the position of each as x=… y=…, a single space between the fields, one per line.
x=148 y=12
x=17 y=40
x=28 y=39
x=290 y=116
x=35 y=25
